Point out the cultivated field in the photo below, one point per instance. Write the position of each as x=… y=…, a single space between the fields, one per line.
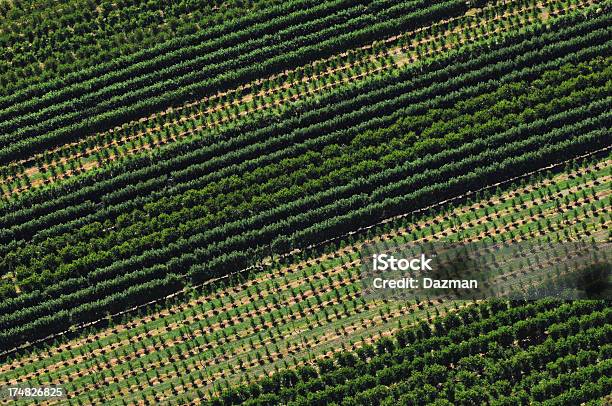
x=186 y=189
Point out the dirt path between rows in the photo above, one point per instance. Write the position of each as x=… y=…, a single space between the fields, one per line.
x=462 y=210
x=503 y=229
x=147 y=146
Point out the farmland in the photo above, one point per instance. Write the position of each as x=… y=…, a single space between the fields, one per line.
x=311 y=305
x=184 y=204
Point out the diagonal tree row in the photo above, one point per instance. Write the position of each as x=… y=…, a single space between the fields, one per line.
x=493 y=352
x=586 y=177
x=465 y=28
x=504 y=152
x=183 y=149
x=205 y=68
x=186 y=121
x=51 y=39
x=545 y=211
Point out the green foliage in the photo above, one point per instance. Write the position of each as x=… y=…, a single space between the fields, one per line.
x=459 y=369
